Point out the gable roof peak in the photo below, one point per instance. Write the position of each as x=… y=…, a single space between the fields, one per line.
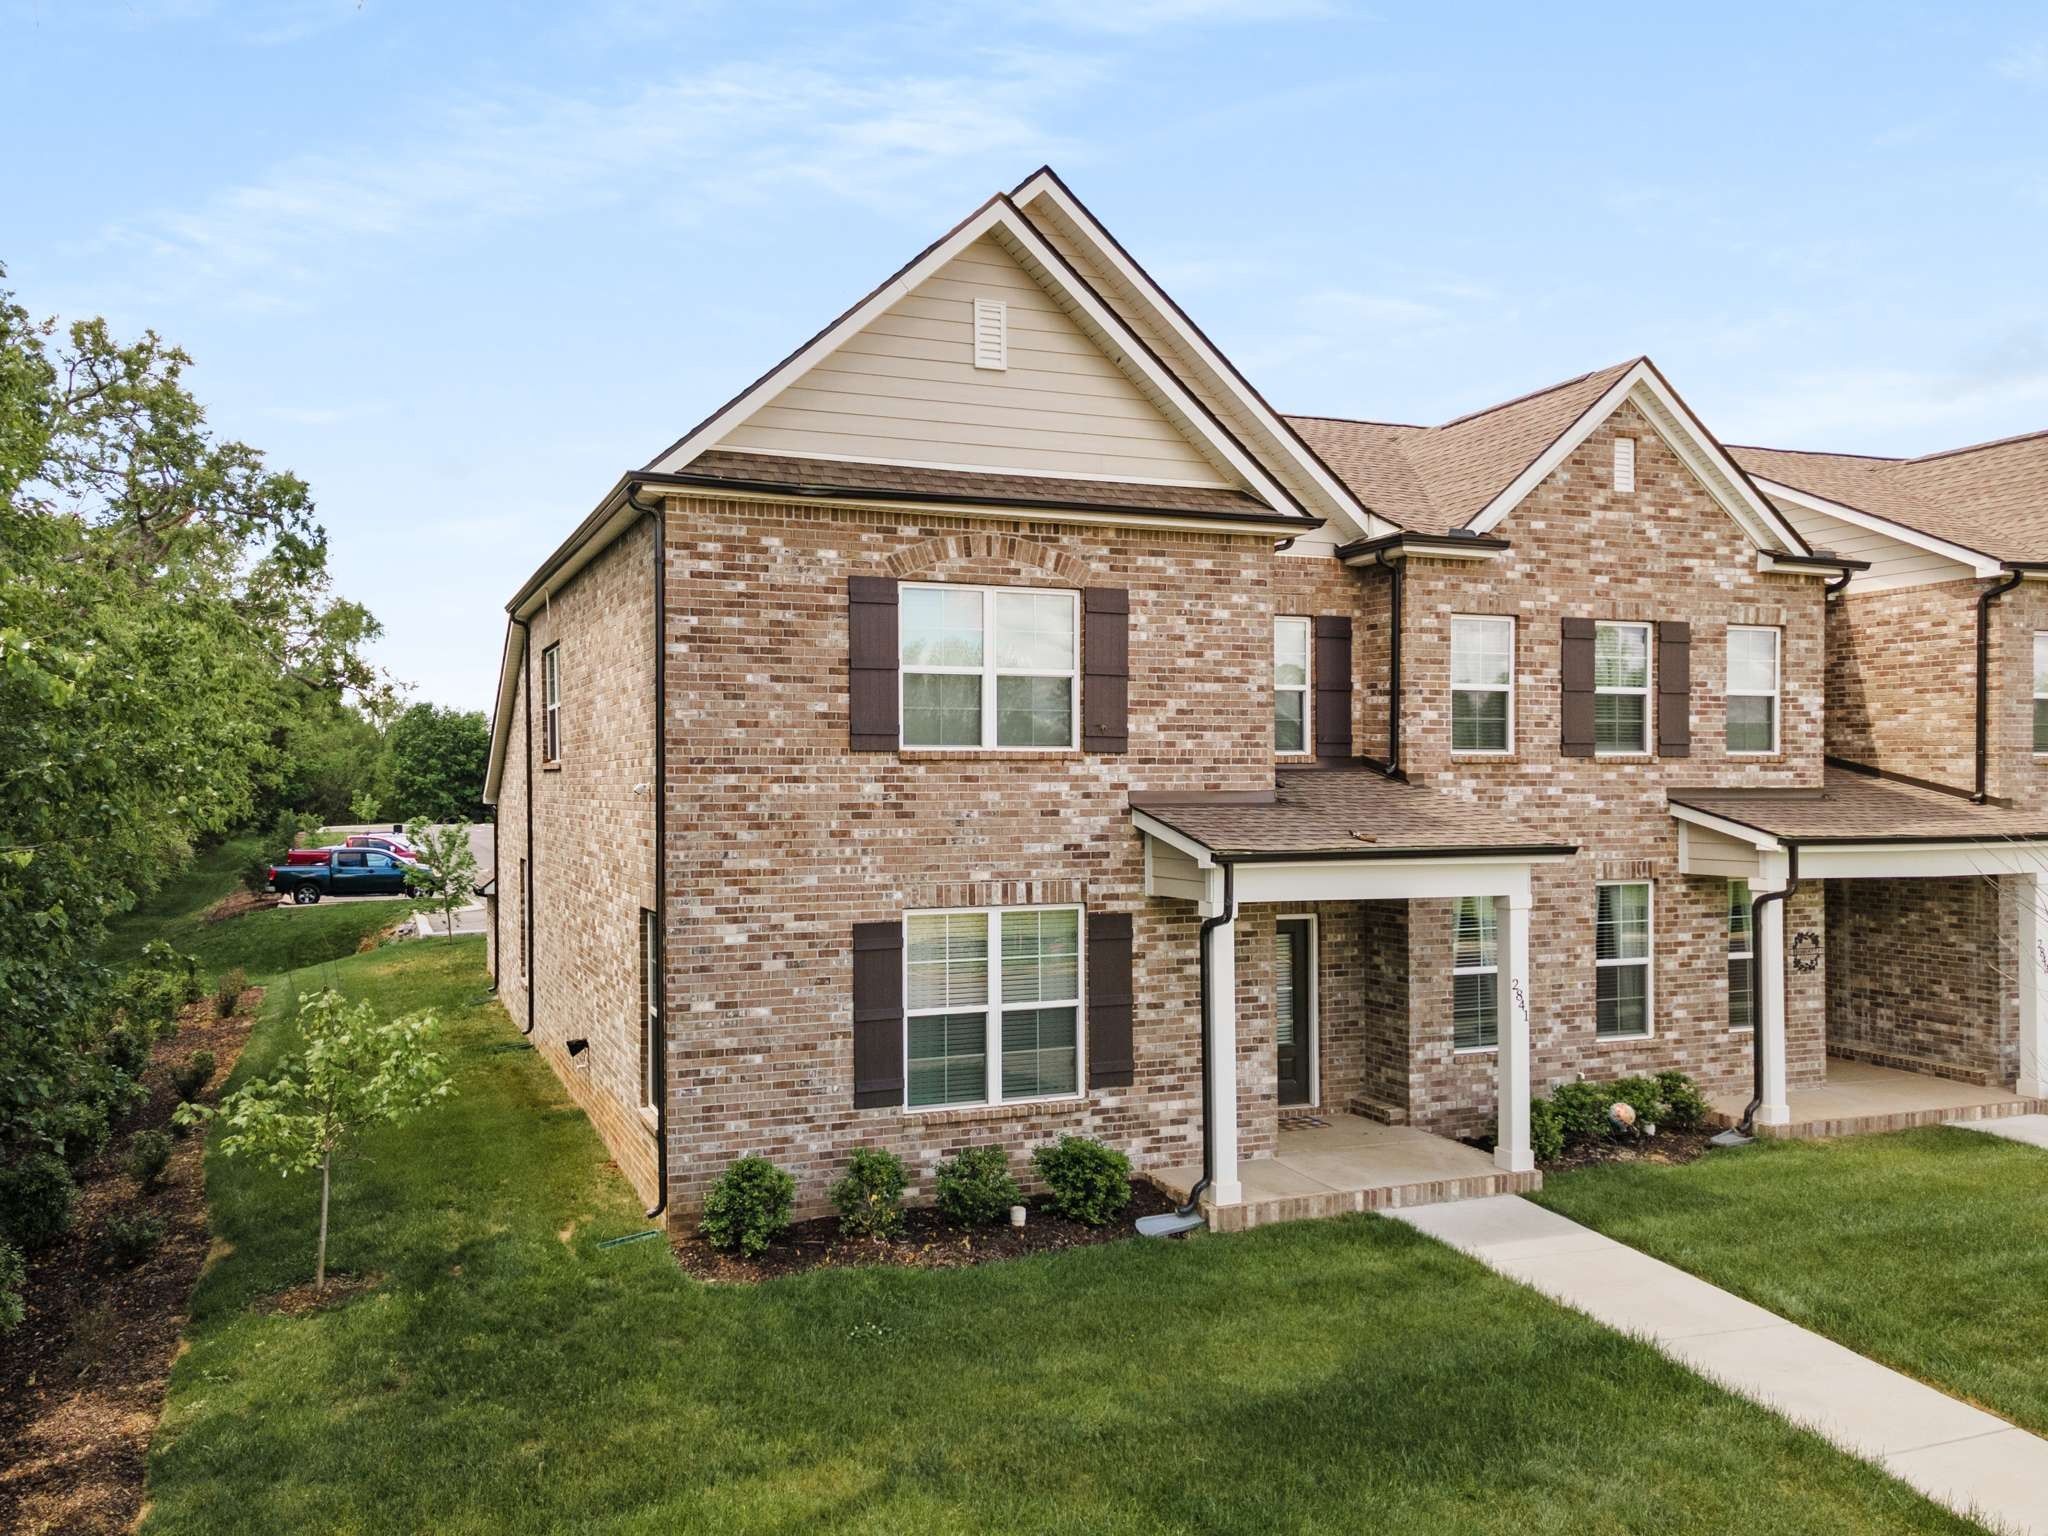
x=1612 y=371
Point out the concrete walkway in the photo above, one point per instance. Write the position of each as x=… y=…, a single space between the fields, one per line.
x=2031 y=1129
x=1960 y=1456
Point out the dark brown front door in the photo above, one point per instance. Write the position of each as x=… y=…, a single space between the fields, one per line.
x=1293 y=1020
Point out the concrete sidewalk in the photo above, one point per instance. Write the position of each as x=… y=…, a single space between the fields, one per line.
x=2031 y=1129
x=1960 y=1456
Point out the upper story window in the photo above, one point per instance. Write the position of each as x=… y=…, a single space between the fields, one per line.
x=551 y=704
x=992 y=1005
x=989 y=667
x=1290 y=684
x=1752 y=689
x=1482 y=685
x=2041 y=692
x=1621 y=957
x=1621 y=688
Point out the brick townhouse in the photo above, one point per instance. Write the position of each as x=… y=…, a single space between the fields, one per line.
x=998 y=722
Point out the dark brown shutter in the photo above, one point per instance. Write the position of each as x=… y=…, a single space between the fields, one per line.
x=1109 y=1000
x=1105 y=670
x=1333 y=686
x=871 y=660
x=877 y=1015
x=1575 y=689
x=1674 y=688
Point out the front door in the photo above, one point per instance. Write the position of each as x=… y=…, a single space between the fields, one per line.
x=1293 y=1013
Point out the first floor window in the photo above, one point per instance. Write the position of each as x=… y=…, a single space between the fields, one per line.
x=1290 y=685
x=988 y=666
x=1621 y=956
x=1621 y=688
x=2041 y=692
x=1752 y=689
x=1741 y=956
x=650 y=1009
x=519 y=918
x=1475 y=974
x=1482 y=685
x=993 y=1005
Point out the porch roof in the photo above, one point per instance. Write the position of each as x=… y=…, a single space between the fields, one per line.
x=1341 y=811
x=1861 y=808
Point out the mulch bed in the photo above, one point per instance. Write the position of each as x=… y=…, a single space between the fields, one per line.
x=928 y=1241
x=1667 y=1146
x=82 y=1380
x=235 y=903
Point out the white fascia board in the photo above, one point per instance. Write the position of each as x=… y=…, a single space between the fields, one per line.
x=1922 y=861
x=1278 y=525
x=1763 y=842
x=1448 y=550
x=1686 y=437
x=1419 y=879
x=1169 y=315
x=1980 y=564
x=509 y=664
x=1201 y=853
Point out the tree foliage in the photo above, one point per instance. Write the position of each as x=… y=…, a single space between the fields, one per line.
x=446 y=872
x=437 y=763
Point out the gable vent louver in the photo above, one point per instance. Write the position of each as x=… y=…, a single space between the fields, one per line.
x=991 y=333
x=1624 y=465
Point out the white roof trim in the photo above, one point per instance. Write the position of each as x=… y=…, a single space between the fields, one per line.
x=1686 y=437
x=1763 y=842
x=1340 y=500
x=1201 y=853
x=510 y=664
x=999 y=214
x=1980 y=564
x=1025 y=474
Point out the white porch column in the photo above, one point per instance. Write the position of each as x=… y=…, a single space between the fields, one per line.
x=1511 y=1152
x=1769 y=939
x=1224 y=1187
x=2027 y=895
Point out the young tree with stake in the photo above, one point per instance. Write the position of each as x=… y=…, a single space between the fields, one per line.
x=446 y=869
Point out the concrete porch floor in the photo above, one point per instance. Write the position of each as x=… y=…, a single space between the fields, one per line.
x=1859 y=1097
x=1351 y=1164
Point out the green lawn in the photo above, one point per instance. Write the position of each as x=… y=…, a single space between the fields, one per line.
x=507 y=1375
x=1925 y=1249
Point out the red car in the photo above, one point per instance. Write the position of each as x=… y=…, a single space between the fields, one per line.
x=390 y=842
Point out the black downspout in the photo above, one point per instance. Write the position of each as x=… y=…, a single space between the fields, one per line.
x=1756 y=985
x=1985 y=599
x=526 y=891
x=1832 y=587
x=1192 y=1206
x=1393 y=568
x=658 y=516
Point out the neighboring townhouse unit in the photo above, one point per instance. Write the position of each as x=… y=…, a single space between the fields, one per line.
x=998 y=722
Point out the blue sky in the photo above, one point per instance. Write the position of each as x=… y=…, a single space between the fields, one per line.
x=461 y=265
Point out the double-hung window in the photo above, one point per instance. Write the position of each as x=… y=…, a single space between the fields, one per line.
x=1741 y=956
x=992 y=1005
x=1752 y=689
x=650 y=1008
x=989 y=667
x=551 y=704
x=1290 y=684
x=2041 y=691
x=1621 y=688
x=1621 y=956
x=1482 y=685
x=1475 y=974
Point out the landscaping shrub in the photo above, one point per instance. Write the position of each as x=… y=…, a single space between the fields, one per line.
x=13 y=1275
x=191 y=1075
x=229 y=992
x=1089 y=1182
x=126 y=1047
x=1581 y=1110
x=36 y=1197
x=149 y=1154
x=1546 y=1131
x=132 y=1238
x=747 y=1206
x=974 y=1186
x=870 y=1197
x=1640 y=1094
x=1685 y=1107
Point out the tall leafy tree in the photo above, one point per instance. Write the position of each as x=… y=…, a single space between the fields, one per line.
x=437 y=763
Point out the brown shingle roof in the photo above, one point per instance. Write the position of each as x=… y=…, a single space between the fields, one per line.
x=1343 y=810
x=1858 y=808
x=1434 y=479
x=906 y=482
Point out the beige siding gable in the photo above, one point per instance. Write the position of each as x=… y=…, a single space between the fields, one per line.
x=905 y=389
x=1893 y=562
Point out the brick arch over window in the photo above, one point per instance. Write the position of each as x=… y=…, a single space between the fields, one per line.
x=1004 y=549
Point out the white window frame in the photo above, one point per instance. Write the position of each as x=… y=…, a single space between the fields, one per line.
x=1648 y=690
x=988 y=671
x=2040 y=643
x=1749 y=954
x=1507 y=688
x=551 y=703
x=1730 y=691
x=1306 y=688
x=650 y=1009
x=993 y=1009
x=1458 y=970
x=1315 y=1005
x=1648 y=961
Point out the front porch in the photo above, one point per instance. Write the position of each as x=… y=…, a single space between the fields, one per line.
x=1859 y=1097
x=1332 y=1165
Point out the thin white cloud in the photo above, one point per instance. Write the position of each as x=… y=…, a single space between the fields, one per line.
x=2027 y=62
x=1135 y=18
x=1887 y=410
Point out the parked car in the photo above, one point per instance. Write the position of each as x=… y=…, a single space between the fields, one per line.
x=339 y=872
x=390 y=842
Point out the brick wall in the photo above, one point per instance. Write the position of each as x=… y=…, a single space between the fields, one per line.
x=1901 y=678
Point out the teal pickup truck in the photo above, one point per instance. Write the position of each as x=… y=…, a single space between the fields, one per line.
x=312 y=873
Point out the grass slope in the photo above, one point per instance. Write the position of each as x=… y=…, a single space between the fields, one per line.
x=1925 y=1249
x=509 y=1376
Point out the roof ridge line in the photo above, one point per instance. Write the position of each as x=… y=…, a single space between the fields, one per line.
x=1996 y=442
x=1357 y=421
x=1823 y=453
x=1548 y=389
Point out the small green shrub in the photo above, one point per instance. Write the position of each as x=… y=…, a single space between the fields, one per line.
x=228 y=992
x=1685 y=1107
x=1546 y=1131
x=13 y=1276
x=1640 y=1094
x=974 y=1187
x=1581 y=1110
x=36 y=1199
x=149 y=1154
x=132 y=1238
x=180 y=970
x=190 y=1076
x=1089 y=1182
x=869 y=1198
x=125 y=1046
x=747 y=1206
